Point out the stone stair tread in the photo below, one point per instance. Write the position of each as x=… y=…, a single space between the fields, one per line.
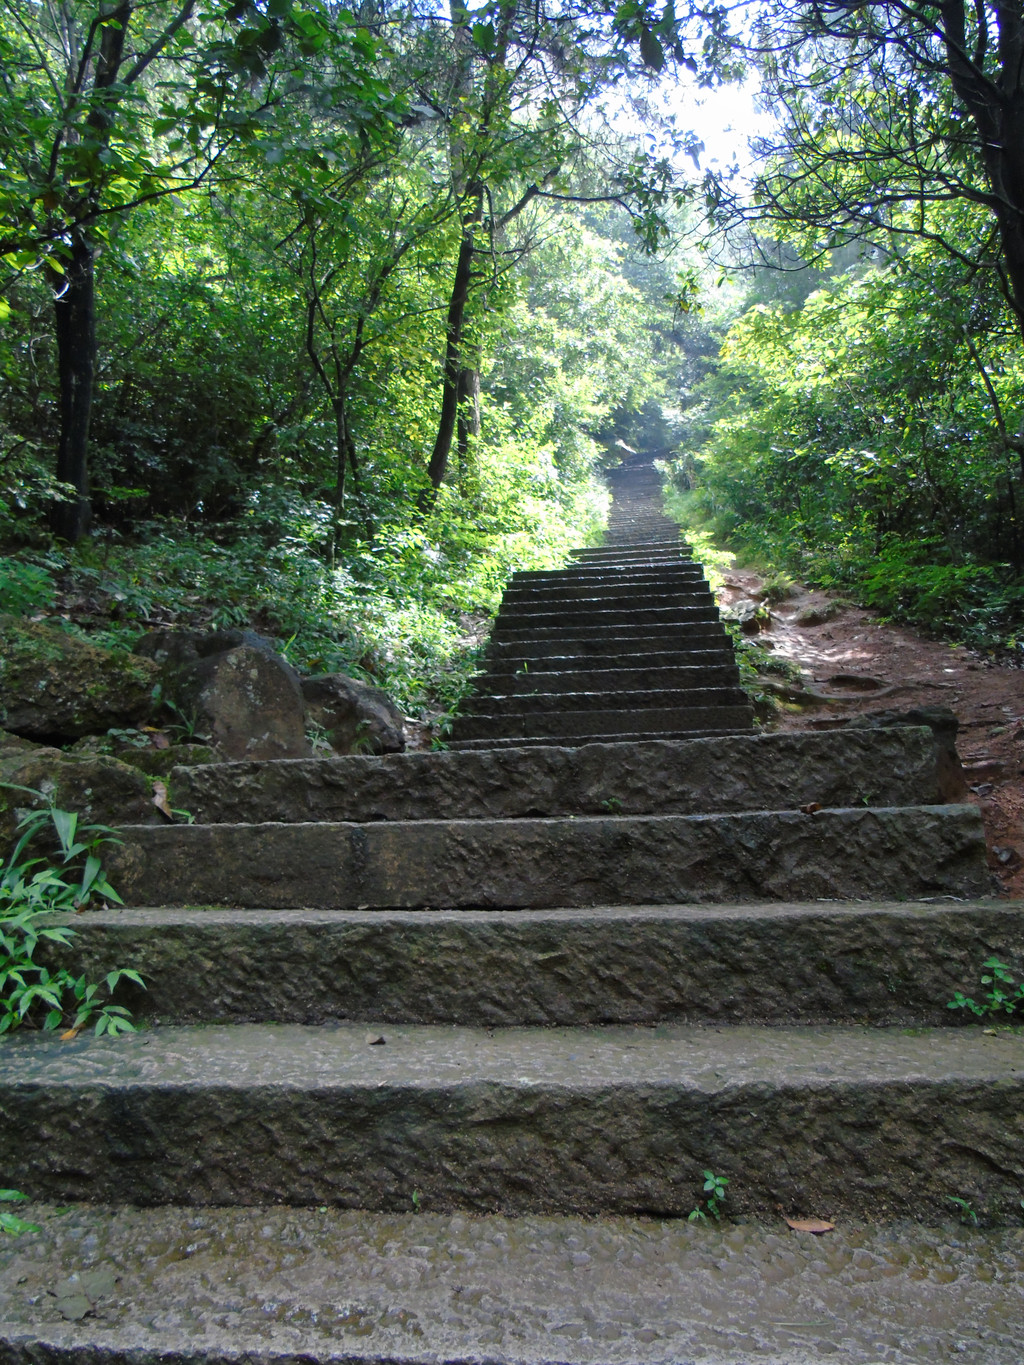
x=237 y=1286
x=811 y=962
x=504 y=661
x=606 y=680
x=903 y=852
x=849 y=1119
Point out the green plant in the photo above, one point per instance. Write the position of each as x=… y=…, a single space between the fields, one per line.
x=24 y=588
x=1004 y=995
x=714 y=1188
x=612 y=804
x=31 y=891
x=10 y=1222
x=965 y=1209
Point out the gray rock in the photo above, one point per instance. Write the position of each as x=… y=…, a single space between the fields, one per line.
x=247 y=702
x=100 y=789
x=55 y=687
x=356 y=716
x=175 y=649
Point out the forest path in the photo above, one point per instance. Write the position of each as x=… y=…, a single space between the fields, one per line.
x=862 y=664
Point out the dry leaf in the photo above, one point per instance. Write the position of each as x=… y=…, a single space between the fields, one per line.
x=160 y=799
x=374 y=1039
x=811 y=807
x=809 y=1224
x=68 y=1034
x=159 y=740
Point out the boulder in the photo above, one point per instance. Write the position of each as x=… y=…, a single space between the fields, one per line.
x=55 y=687
x=101 y=790
x=173 y=649
x=357 y=718
x=246 y=702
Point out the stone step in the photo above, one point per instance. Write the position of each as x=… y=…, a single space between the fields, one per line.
x=847 y=1121
x=664 y=545
x=606 y=680
x=275 y=1286
x=687 y=612
x=503 y=660
x=528 y=722
x=684 y=572
x=669 y=777
x=878 y=963
x=647 y=596
x=491 y=703
x=586 y=740
x=623 y=642
x=592 y=588
x=870 y=853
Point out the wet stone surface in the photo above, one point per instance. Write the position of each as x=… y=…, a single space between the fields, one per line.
x=271 y=1284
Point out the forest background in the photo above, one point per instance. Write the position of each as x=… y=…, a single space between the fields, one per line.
x=324 y=320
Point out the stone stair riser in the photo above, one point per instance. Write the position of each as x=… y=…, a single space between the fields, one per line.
x=654 y=618
x=688 y=777
x=504 y=660
x=891 y=964
x=493 y=703
x=505 y=683
x=832 y=854
x=566 y=725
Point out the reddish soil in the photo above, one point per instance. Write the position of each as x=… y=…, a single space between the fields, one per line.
x=854 y=663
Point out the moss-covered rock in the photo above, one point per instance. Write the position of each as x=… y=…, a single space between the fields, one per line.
x=100 y=790
x=55 y=687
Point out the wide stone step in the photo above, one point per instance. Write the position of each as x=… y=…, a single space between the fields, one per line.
x=536 y=605
x=500 y=864
x=487 y=703
x=886 y=963
x=607 y=680
x=616 y=737
x=525 y=722
x=847 y=1121
x=504 y=660
x=243 y=1286
x=608 y=594
x=684 y=572
x=680 y=777
x=686 y=611
x=613 y=641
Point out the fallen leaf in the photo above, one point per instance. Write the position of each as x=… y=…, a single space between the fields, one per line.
x=74 y=1307
x=809 y=1224
x=811 y=807
x=159 y=740
x=160 y=800
x=375 y=1038
x=68 y=1034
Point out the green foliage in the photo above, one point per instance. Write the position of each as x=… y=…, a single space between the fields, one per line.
x=1005 y=995
x=10 y=1222
x=32 y=890
x=24 y=587
x=714 y=1188
x=862 y=441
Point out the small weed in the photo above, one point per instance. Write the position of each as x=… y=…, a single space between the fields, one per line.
x=612 y=804
x=1004 y=995
x=10 y=1222
x=416 y=1201
x=965 y=1210
x=714 y=1188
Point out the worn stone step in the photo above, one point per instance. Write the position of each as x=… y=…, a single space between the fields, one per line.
x=530 y=722
x=581 y=740
x=583 y=602
x=604 y=592
x=847 y=1121
x=499 y=864
x=504 y=660
x=684 y=572
x=570 y=618
x=489 y=703
x=681 y=777
x=606 y=680
x=625 y=641
x=243 y=1286
x=879 y=963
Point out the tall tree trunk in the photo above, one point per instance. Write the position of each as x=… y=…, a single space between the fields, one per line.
x=468 y=422
x=75 y=326
x=438 y=465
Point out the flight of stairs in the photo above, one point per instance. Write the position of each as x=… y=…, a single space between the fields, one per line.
x=625 y=644
x=440 y=1047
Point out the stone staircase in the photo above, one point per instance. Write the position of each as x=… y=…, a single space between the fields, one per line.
x=440 y=1046
x=624 y=645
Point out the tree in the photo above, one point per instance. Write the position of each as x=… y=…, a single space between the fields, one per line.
x=107 y=105
x=890 y=107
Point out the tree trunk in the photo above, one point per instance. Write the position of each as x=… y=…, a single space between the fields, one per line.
x=438 y=465
x=75 y=326
x=468 y=422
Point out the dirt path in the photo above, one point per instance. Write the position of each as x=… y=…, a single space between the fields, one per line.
x=852 y=663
